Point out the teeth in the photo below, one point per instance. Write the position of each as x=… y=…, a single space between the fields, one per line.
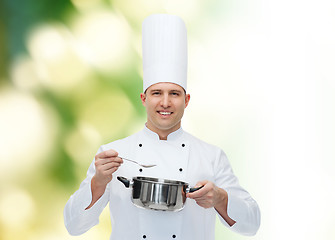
x=165 y=113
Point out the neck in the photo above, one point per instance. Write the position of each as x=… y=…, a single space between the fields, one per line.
x=163 y=133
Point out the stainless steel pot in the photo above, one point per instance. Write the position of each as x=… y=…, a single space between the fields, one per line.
x=158 y=194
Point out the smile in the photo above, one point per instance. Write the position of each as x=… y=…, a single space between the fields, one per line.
x=165 y=113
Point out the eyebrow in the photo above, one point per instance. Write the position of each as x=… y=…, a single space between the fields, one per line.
x=159 y=90
x=176 y=91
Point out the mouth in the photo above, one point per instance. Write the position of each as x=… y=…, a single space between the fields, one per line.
x=164 y=113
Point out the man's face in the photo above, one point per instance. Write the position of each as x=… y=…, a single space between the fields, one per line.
x=165 y=104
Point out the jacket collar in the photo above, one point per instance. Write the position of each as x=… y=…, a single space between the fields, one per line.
x=171 y=137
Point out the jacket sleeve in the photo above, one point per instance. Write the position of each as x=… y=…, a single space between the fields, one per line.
x=77 y=220
x=242 y=208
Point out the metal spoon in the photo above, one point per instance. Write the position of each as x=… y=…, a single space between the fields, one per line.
x=142 y=165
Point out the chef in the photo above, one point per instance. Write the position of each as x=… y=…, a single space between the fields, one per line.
x=177 y=155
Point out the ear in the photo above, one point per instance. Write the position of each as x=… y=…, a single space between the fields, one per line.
x=143 y=98
x=187 y=99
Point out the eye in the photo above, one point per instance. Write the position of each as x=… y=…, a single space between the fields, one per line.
x=175 y=94
x=155 y=93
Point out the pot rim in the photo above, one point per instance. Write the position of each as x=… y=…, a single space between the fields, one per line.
x=159 y=181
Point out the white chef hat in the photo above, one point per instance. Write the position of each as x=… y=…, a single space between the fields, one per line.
x=164 y=50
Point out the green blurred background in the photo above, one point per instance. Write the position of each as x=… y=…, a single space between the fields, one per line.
x=261 y=78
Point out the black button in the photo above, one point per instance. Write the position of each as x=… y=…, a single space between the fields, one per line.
x=140 y=170
x=180 y=169
x=174 y=236
x=183 y=145
x=144 y=236
x=140 y=145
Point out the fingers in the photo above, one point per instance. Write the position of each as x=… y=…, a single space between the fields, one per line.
x=106 y=163
x=107 y=154
x=204 y=197
x=110 y=171
x=107 y=157
x=201 y=192
x=204 y=203
x=102 y=161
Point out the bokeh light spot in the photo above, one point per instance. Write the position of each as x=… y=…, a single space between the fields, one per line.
x=16 y=208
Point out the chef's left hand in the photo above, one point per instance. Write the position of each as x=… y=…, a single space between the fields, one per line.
x=208 y=196
x=212 y=196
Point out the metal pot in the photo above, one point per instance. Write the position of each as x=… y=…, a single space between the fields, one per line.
x=158 y=194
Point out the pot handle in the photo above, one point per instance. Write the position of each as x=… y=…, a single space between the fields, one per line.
x=195 y=189
x=124 y=180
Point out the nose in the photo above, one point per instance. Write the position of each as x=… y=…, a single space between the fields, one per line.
x=165 y=101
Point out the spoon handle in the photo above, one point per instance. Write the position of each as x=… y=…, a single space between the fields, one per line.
x=129 y=160
x=142 y=165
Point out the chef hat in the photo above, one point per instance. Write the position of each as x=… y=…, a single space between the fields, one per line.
x=164 y=50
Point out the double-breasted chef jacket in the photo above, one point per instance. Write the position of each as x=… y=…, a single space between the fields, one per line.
x=181 y=157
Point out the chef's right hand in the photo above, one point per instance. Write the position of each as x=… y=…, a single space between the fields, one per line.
x=106 y=163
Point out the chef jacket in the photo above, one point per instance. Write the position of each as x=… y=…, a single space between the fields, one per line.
x=181 y=157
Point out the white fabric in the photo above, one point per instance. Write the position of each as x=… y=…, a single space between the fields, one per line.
x=164 y=50
x=198 y=161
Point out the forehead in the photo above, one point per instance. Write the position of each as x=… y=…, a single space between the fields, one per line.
x=165 y=86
